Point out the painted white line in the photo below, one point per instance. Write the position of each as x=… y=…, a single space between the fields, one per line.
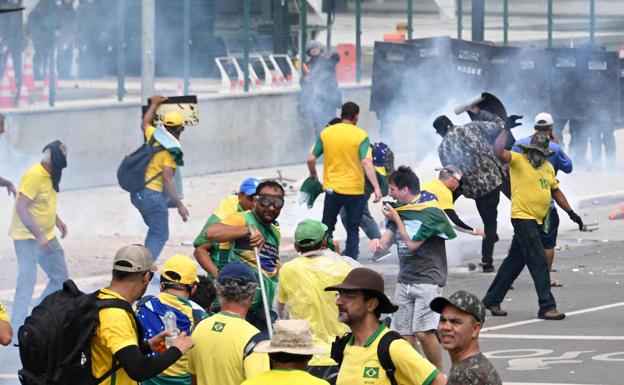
x=556 y=337
x=541 y=383
x=569 y=314
x=8 y=376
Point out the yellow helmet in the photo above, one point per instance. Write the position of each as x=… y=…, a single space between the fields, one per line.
x=173 y=119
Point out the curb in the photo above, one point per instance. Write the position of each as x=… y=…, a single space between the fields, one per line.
x=602 y=199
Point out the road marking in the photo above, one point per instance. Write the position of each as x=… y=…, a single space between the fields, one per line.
x=536 y=320
x=555 y=337
x=540 y=383
x=8 y=376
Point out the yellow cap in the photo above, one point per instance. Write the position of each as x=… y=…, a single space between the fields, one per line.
x=173 y=118
x=183 y=268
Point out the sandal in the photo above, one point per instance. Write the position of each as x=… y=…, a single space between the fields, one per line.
x=555 y=283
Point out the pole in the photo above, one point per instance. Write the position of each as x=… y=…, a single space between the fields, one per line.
x=121 y=52
x=505 y=22
x=52 y=75
x=265 y=301
x=329 y=30
x=410 y=19
x=358 y=40
x=460 y=12
x=550 y=23
x=478 y=20
x=246 y=13
x=303 y=23
x=592 y=21
x=148 y=15
x=186 y=41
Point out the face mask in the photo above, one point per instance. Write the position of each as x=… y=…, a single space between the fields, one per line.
x=536 y=158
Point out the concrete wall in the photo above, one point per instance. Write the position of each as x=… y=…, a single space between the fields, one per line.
x=237 y=131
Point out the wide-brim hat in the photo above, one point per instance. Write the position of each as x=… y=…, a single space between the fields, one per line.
x=290 y=336
x=368 y=280
x=539 y=142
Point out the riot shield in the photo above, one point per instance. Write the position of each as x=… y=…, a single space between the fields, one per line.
x=390 y=63
x=565 y=78
x=470 y=67
x=600 y=85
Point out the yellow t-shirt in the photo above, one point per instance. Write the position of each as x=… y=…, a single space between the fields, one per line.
x=360 y=365
x=115 y=331
x=285 y=377
x=530 y=188
x=343 y=146
x=36 y=185
x=301 y=287
x=4 y=316
x=437 y=188
x=217 y=357
x=157 y=163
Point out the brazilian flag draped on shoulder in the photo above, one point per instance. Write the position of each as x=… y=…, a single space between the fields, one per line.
x=423 y=220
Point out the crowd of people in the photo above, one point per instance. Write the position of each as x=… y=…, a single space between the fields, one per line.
x=320 y=317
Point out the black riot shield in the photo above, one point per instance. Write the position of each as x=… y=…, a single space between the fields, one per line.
x=390 y=63
x=565 y=77
x=600 y=85
x=520 y=77
x=470 y=67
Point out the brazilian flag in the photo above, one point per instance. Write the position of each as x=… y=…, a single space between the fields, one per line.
x=423 y=220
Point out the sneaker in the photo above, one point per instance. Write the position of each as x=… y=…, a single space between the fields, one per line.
x=487 y=268
x=553 y=315
x=378 y=257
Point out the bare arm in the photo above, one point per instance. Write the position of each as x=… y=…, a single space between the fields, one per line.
x=561 y=200
x=21 y=207
x=382 y=244
x=169 y=187
x=156 y=101
x=202 y=255
x=499 y=147
x=219 y=232
x=9 y=186
x=312 y=166
x=393 y=215
x=369 y=170
x=439 y=380
x=6 y=333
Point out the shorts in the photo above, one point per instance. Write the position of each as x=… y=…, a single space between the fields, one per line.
x=549 y=239
x=414 y=314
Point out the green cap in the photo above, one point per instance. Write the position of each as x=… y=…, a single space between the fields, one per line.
x=309 y=232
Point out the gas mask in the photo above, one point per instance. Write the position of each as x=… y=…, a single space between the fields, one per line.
x=536 y=158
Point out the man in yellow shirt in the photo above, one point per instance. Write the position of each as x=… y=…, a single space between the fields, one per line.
x=118 y=344
x=290 y=350
x=207 y=252
x=443 y=187
x=32 y=229
x=151 y=202
x=224 y=343
x=533 y=182
x=347 y=161
x=301 y=295
x=361 y=301
x=6 y=331
x=178 y=281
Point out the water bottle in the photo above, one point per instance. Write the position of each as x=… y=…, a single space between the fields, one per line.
x=170 y=322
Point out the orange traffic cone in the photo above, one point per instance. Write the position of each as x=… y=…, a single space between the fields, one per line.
x=6 y=100
x=28 y=75
x=10 y=74
x=617 y=213
x=24 y=100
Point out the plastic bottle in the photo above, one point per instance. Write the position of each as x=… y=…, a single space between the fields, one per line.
x=170 y=322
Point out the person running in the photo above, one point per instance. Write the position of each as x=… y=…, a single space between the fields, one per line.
x=361 y=301
x=224 y=343
x=206 y=252
x=533 y=183
x=419 y=229
x=346 y=162
x=560 y=162
x=300 y=293
x=243 y=234
x=151 y=202
x=461 y=318
x=32 y=229
x=178 y=281
x=443 y=187
x=290 y=350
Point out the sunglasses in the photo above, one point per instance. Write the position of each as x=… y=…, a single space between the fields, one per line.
x=266 y=201
x=151 y=274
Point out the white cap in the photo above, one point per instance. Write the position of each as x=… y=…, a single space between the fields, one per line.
x=543 y=119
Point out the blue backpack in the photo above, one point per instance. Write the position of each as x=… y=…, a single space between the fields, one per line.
x=131 y=171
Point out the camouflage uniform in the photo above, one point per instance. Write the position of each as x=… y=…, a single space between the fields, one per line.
x=474 y=370
x=470 y=148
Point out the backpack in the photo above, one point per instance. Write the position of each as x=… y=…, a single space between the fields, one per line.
x=383 y=157
x=383 y=352
x=131 y=171
x=55 y=340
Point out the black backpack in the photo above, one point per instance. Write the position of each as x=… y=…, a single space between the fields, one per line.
x=131 y=171
x=383 y=352
x=55 y=340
